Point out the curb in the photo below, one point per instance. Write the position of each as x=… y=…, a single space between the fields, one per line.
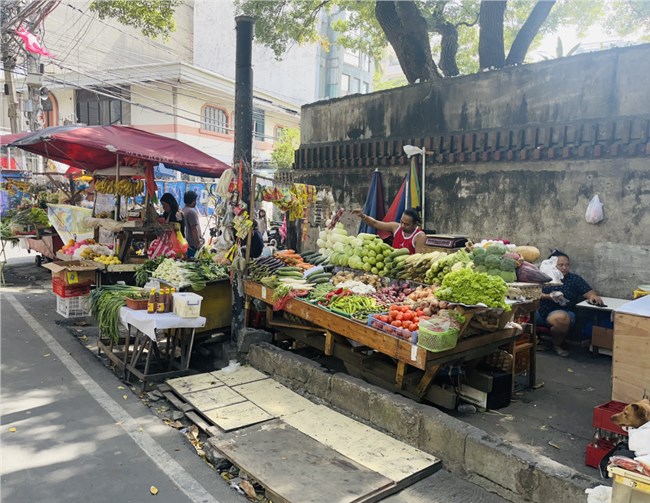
x=513 y=473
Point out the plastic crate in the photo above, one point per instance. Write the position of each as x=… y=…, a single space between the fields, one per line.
x=402 y=333
x=595 y=453
x=437 y=341
x=603 y=416
x=73 y=307
x=60 y=288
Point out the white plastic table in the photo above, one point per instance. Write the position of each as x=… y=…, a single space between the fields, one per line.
x=151 y=328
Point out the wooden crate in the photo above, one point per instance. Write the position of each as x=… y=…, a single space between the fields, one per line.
x=630 y=362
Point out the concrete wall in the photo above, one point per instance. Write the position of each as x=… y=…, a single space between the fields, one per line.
x=529 y=202
x=588 y=86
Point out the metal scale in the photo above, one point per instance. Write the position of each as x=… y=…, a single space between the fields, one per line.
x=444 y=242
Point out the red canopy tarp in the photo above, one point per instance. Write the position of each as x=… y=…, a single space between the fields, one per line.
x=6 y=139
x=98 y=147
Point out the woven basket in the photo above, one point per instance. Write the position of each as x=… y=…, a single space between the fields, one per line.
x=524 y=291
x=137 y=304
x=437 y=341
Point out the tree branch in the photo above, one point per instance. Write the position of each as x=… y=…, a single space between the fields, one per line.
x=529 y=31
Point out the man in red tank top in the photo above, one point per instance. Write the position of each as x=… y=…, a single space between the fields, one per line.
x=406 y=233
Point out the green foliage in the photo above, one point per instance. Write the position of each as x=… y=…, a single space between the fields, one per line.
x=152 y=17
x=468 y=287
x=280 y=24
x=285 y=147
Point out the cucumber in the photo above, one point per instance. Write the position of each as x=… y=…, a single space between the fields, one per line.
x=319 y=281
x=289 y=274
x=307 y=254
x=398 y=253
x=322 y=275
x=290 y=269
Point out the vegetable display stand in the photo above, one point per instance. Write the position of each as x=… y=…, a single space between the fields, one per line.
x=159 y=337
x=216 y=306
x=335 y=335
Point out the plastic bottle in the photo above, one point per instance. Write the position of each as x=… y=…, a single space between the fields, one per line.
x=151 y=303
x=160 y=306
x=466 y=408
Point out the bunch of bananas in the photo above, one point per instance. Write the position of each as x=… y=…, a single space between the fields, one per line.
x=127 y=187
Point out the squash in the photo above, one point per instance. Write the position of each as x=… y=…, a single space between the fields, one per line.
x=529 y=253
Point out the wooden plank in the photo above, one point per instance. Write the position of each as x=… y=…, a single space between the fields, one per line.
x=630 y=363
x=237 y=416
x=213 y=398
x=329 y=343
x=399 y=375
x=274 y=398
x=425 y=382
x=364 y=445
x=199 y=421
x=177 y=402
x=242 y=375
x=190 y=384
x=278 y=456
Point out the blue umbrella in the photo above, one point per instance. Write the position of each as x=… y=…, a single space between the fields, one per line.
x=374 y=206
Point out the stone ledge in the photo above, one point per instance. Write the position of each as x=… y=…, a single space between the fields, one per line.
x=513 y=473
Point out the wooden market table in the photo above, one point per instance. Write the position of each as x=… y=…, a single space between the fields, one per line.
x=339 y=330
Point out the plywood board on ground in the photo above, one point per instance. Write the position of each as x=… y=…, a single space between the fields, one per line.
x=237 y=415
x=364 y=445
x=274 y=398
x=630 y=363
x=240 y=376
x=213 y=398
x=190 y=384
x=283 y=460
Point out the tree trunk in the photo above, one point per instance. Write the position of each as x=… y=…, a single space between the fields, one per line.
x=406 y=30
x=448 y=49
x=490 y=45
x=528 y=32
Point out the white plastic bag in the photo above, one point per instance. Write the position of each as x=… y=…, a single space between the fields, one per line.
x=594 y=211
x=549 y=267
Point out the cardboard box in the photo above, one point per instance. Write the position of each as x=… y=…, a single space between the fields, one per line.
x=602 y=337
x=73 y=272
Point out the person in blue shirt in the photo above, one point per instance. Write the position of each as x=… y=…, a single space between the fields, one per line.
x=558 y=301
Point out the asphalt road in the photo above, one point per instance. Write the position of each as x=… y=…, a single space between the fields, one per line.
x=80 y=435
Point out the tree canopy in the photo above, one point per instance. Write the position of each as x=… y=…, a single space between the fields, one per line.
x=439 y=38
x=152 y=17
x=285 y=147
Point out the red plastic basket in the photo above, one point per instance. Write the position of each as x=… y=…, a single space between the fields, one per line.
x=595 y=453
x=603 y=414
x=66 y=291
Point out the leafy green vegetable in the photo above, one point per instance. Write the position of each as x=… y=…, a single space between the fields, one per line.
x=469 y=287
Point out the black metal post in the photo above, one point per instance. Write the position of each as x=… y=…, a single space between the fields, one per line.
x=243 y=152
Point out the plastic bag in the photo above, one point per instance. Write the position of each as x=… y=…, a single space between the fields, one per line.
x=594 y=212
x=549 y=267
x=160 y=247
x=178 y=242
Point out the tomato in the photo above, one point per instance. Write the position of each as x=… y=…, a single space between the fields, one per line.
x=413 y=327
x=397 y=323
x=408 y=316
x=415 y=319
x=392 y=313
x=419 y=312
x=399 y=317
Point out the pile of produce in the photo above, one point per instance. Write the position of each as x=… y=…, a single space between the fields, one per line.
x=393 y=294
x=401 y=321
x=344 y=302
x=126 y=187
x=443 y=265
x=86 y=249
x=262 y=267
x=469 y=287
x=292 y=259
x=368 y=279
x=107 y=259
x=314 y=258
x=495 y=260
x=145 y=271
x=365 y=252
x=192 y=274
x=30 y=216
x=319 y=292
x=105 y=304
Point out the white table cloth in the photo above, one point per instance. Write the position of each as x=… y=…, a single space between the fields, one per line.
x=148 y=323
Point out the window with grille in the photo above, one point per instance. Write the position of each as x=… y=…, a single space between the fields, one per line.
x=215 y=119
x=101 y=108
x=258 y=124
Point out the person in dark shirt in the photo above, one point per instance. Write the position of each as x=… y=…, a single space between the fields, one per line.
x=257 y=241
x=171 y=211
x=558 y=301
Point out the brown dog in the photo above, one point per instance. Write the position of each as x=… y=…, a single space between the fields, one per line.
x=634 y=415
